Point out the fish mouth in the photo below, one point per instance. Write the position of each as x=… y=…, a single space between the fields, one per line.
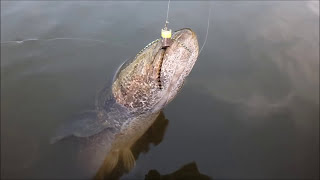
x=184 y=43
x=174 y=63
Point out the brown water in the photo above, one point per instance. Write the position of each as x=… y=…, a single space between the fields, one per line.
x=249 y=109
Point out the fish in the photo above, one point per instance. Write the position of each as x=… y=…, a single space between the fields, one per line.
x=140 y=89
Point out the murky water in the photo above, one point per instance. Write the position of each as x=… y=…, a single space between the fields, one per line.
x=249 y=109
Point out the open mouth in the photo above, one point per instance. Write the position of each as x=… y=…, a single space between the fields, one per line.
x=160 y=66
x=162 y=52
x=177 y=48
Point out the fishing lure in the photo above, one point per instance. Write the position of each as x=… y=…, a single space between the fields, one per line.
x=166 y=33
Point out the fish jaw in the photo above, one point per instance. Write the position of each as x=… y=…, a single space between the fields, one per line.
x=178 y=61
x=156 y=74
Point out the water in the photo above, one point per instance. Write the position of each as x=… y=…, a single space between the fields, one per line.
x=249 y=109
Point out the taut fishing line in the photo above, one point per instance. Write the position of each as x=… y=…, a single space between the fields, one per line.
x=208 y=25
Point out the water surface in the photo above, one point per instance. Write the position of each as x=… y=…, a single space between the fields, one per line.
x=249 y=109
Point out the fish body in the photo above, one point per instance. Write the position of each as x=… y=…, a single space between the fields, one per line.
x=141 y=88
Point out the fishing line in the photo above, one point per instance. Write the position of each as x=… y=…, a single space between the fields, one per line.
x=53 y=39
x=208 y=25
x=167 y=19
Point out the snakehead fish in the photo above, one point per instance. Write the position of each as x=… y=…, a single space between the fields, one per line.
x=140 y=89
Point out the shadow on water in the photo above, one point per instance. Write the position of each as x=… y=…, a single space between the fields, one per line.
x=82 y=151
x=187 y=172
x=154 y=135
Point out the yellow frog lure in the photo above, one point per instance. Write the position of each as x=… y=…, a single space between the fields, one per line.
x=166 y=36
x=165 y=32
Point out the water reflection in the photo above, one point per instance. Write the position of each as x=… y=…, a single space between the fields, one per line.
x=187 y=172
x=154 y=135
x=250 y=108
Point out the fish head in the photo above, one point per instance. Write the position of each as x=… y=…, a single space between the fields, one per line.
x=154 y=77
